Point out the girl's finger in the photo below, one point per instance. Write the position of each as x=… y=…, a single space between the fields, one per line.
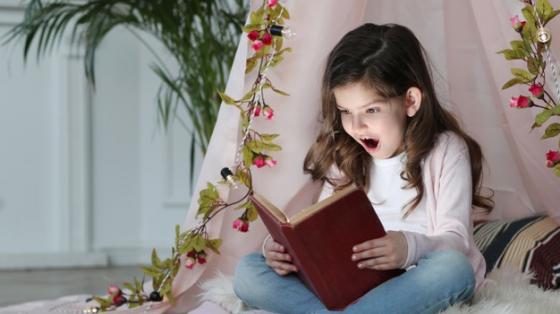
x=371 y=263
x=279 y=256
x=277 y=247
x=372 y=253
x=282 y=266
x=371 y=244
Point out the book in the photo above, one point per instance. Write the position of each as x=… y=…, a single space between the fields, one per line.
x=320 y=239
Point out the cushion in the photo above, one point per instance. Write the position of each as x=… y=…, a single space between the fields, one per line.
x=531 y=245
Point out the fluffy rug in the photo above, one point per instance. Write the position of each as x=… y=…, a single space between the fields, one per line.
x=506 y=291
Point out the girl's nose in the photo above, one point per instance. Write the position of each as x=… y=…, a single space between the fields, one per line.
x=358 y=122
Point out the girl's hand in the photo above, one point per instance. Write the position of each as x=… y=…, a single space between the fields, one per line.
x=277 y=258
x=388 y=252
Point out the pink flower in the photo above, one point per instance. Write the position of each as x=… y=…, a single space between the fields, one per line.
x=268 y=112
x=267 y=39
x=520 y=102
x=257 y=45
x=549 y=163
x=537 y=90
x=259 y=161
x=113 y=290
x=272 y=3
x=241 y=225
x=553 y=156
x=189 y=262
x=201 y=260
x=119 y=300
x=253 y=35
x=517 y=24
x=256 y=111
x=271 y=162
x=191 y=254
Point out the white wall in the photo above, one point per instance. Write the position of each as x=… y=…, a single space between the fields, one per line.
x=86 y=178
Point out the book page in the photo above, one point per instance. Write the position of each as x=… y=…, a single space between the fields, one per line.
x=304 y=213
x=275 y=211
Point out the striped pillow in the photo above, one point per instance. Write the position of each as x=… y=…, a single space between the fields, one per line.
x=530 y=245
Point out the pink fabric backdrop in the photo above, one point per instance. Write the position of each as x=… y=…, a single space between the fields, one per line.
x=462 y=38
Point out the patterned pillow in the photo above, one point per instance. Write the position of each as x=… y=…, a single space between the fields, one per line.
x=530 y=245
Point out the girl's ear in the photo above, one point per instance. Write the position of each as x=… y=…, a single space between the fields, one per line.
x=412 y=101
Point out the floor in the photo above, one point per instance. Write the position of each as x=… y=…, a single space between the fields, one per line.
x=32 y=285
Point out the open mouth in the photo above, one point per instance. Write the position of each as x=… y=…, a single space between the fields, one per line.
x=370 y=143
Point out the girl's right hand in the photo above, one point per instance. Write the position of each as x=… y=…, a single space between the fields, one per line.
x=277 y=258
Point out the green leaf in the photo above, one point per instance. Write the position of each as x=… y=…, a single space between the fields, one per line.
x=151 y=271
x=198 y=243
x=228 y=100
x=251 y=212
x=523 y=75
x=544 y=9
x=557 y=170
x=129 y=286
x=542 y=117
x=247 y=156
x=529 y=29
x=532 y=66
x=511 y=54
x=271 y=147
x=551 y=131
x=268 y=138
x=156 y=261
x=251 y=27
x=512 y=82
x=214 y=245
x=243 y=177
x=250 y=65
x=551 y=16
x=255 y=146
x=556 y=110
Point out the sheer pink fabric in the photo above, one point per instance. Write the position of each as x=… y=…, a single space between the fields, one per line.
x=461 y=38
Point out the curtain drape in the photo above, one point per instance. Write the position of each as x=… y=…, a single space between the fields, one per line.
x=461 y=38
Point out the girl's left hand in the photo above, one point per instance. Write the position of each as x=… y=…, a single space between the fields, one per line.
x=388 y=252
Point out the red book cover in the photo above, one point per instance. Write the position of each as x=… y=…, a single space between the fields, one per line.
x=320 y=240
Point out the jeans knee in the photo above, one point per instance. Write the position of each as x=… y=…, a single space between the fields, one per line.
x=243 y=280
x=454 y=270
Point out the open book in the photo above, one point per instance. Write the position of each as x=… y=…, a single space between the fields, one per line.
x=320 y=240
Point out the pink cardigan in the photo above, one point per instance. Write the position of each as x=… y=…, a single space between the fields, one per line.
x=448 y=186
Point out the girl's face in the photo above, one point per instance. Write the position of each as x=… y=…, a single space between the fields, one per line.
x=375 y=122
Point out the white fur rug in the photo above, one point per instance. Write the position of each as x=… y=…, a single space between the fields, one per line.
x=506 y=291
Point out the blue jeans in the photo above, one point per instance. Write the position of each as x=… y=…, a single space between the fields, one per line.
x=440 y=279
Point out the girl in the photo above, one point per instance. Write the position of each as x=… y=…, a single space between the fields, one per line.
x=384 y=130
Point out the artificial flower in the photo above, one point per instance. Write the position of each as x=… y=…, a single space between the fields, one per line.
x=253 y=35
x=189 y=262
x=257 y=45
x=552 y=158
x=537 y=90
x=259 y=161
x=268 y=112
x=272 y=3
x=520 y=102
x=241 y=225
x=517 y=23
x=271 y=162
x=267 y=39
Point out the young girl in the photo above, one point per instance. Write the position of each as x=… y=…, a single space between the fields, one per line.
x=384 y=130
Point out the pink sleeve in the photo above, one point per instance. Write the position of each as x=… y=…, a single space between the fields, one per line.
x=453 y=209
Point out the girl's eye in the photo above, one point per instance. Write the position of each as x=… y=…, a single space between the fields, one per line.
x=343 y=111
x=372 y=110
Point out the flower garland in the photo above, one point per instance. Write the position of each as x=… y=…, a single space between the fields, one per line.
x=534 y=49
x=266 y=32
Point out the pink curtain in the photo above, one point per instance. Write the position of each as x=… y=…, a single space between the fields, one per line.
x=461 y=37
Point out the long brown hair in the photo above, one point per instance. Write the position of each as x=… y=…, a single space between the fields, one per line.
x=390 y=59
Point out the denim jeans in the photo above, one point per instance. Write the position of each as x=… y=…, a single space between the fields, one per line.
x=440 y=279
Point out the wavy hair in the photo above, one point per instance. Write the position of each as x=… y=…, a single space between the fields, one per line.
x=390 y=59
